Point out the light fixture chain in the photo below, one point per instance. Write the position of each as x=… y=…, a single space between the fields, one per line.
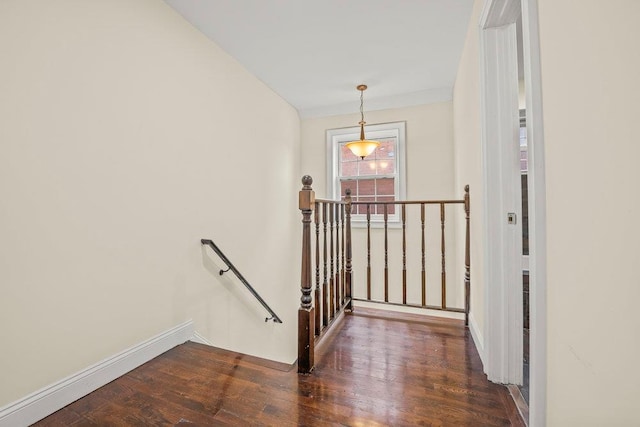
x=361 y=105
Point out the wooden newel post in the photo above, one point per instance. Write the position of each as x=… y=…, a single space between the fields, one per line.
x=467 y=259
x=306 y=318
x=348 y=266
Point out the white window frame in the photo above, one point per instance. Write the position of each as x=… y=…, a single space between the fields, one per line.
x=335 y=137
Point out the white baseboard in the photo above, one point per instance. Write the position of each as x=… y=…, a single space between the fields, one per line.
x=50 y=399
x=410 y=310
x=478 y=339
x=200 y=339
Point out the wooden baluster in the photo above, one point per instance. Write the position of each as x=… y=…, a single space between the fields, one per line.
x=325 y=284
x=332 y=310
x=337 y=273
x=316 y=298
x=386 y=257
x=348 y=266
x=467 y=259
x=342 y=281
x=442 y=249
x=369 y=251
x=424 y=271
x=404 y=254
x=306 y=317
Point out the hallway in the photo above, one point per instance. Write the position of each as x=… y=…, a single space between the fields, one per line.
x=377 y=369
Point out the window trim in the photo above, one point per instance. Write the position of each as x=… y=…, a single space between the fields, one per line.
x=334 y=137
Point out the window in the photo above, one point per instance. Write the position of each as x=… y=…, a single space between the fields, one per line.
x=524 y=159
x=524 y=166
x=379 y=177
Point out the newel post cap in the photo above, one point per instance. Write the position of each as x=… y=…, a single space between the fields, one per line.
x=307 y=197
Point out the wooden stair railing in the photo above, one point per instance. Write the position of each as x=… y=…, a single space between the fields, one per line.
x=443 y=275
x=323 y=304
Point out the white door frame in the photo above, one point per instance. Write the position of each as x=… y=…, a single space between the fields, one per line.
x=503 y=245
x=500 y=152
x=537 y=217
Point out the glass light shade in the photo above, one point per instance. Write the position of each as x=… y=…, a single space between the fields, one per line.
x=363 y=147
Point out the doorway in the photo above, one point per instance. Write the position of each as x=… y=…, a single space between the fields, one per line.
x=503 y=264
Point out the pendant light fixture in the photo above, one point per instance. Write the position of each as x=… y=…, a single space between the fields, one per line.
x=363 y=147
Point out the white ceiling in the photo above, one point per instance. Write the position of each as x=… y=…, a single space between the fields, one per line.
x=314 y=53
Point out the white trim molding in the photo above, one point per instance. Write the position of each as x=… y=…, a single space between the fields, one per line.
x=56 y=396
x=537 y=216
x=478 y=339
x=500 y=15
x=410 y=310
x=501 y=151
x=200 y=339
x=497 y=13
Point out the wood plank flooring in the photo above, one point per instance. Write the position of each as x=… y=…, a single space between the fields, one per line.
x=376 y=369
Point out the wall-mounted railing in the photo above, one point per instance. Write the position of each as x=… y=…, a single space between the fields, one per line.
x=330 y=257
x=230 y=266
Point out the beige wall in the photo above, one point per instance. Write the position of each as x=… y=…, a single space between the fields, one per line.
x=468 y=158
x=429 y=146
x=126 y=136
x=589 y=77
x=430 y=175
x=590 y=68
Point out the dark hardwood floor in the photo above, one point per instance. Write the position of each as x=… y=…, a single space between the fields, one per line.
x=376 y=369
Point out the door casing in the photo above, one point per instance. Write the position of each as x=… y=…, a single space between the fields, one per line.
x=503 y=245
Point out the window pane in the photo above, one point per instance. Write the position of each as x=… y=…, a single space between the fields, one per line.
x=366 y=187
x=523 y=149
x=386 y=166
x=371 y=189
x=386 y=149
x=349 y=168
x=367 y=167
x=385 y=187
x=524 y=160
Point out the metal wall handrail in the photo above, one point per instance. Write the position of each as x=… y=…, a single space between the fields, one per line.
x=244 y=281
